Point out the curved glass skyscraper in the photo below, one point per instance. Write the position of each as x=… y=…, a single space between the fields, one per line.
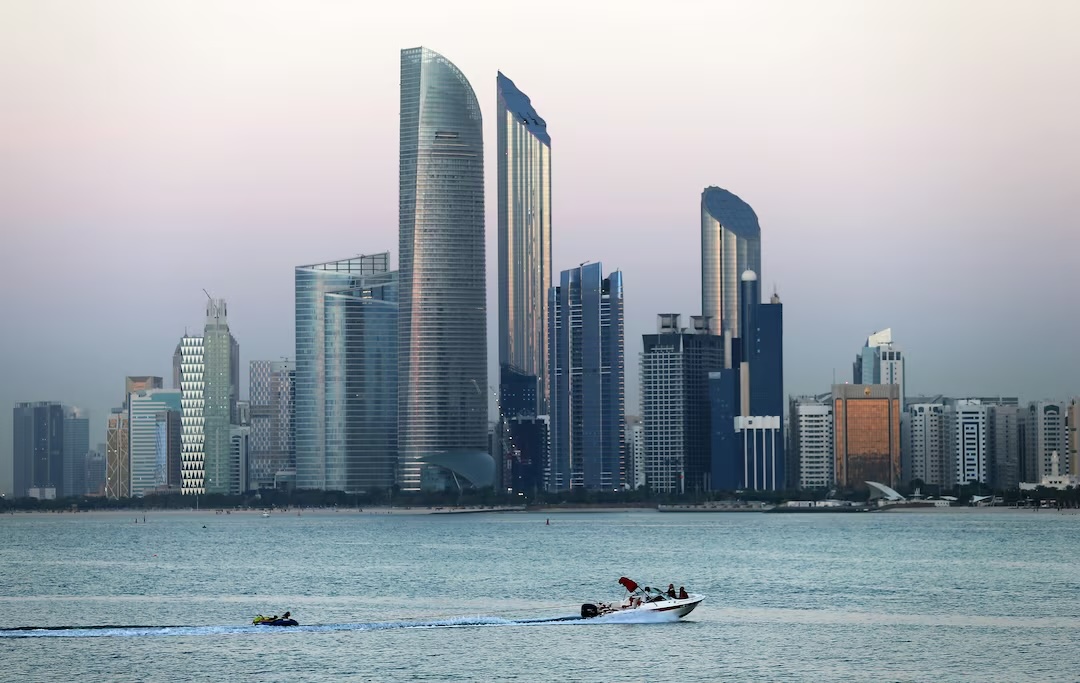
x=345 y=407
x=442 y=316
x=730 y=245
x=524 y=168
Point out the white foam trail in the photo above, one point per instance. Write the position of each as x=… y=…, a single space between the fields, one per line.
x=453 y=622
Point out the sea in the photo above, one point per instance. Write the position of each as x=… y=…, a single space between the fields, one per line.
x=930 y=595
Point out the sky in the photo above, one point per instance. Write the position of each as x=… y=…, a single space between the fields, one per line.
x=913 y=165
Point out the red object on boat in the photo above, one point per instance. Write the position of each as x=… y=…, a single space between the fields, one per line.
x=629 y=584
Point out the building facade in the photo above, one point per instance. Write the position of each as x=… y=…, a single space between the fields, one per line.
x=273 y=447
x=312 y=423
x=926 y=448
x=192 y=423
x=880 y=361
x=1047 y=436
x=747 y=398
x=1006 y=445
x=586 y=369
x=442 y=318
x=38 y=448
x=154 y=440
x=524 y=239
x=730 y=245
x=969 y=453
x=346 y=408
x=675 y=366
x=1073 y=423
x=811 y=420
x=76 y=448
x=635 y=453
x=95 y=472
x=866 y=419
x=239 y=448
x=361 y=385
x=219 y=399
x=117 y=455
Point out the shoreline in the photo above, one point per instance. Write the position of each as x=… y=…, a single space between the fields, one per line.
x=137 y=513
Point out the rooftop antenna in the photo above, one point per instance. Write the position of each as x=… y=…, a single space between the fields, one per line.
x=207 y=295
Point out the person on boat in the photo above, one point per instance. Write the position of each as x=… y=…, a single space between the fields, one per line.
x=671 y=590
x=682 y=593
x=287 y=615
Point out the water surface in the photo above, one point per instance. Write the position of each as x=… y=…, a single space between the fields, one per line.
x=936 y=595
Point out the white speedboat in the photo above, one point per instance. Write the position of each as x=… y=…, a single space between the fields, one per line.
x=646 y=600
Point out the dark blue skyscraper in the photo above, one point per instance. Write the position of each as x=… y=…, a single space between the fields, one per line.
x=747 y=400
x=586 y=369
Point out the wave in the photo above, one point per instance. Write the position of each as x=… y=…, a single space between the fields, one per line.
x=117 y=631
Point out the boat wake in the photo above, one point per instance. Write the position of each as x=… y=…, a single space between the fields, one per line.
x=115 y=631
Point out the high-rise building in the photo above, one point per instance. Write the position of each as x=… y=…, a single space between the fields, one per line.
x=1073 y=420
x=361 y=385
x=635 y=453
x=219 y=399
x=345 y=410
x=747 y=399
x=1047 y=437
x=880 y=361
x=1006 y=444
x=586 y=369
x=95 y=472
x=925 y=444
x=442 y=318
x=192 y=438
x=866 y=430
x=38 y=449
x=675 y=367
x=730 y=246
x=527 y=453
x=524 y=176
x=271 y=388
x=76 y=448
x=117 y=455
x=239 y=448
x=967 y=449
x=154 y=439
x=811 y=424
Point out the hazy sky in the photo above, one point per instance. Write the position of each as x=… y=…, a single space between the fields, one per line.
x=913 y=165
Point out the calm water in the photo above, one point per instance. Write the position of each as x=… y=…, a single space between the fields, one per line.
x=929 y=596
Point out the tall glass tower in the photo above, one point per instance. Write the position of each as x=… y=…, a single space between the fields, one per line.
x=442 y=316
x=345 y=408
x=730 y=246
x=524 y=252
x=219 y=401
x=587 y=378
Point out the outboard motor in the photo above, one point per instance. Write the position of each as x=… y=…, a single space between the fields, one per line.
x=589 y=610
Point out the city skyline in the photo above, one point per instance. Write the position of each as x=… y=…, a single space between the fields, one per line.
x=911 y=201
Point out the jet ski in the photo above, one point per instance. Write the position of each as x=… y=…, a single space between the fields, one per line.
x=275 y=620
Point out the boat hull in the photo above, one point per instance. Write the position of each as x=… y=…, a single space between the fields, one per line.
x=673 y=606
x=679 y=608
